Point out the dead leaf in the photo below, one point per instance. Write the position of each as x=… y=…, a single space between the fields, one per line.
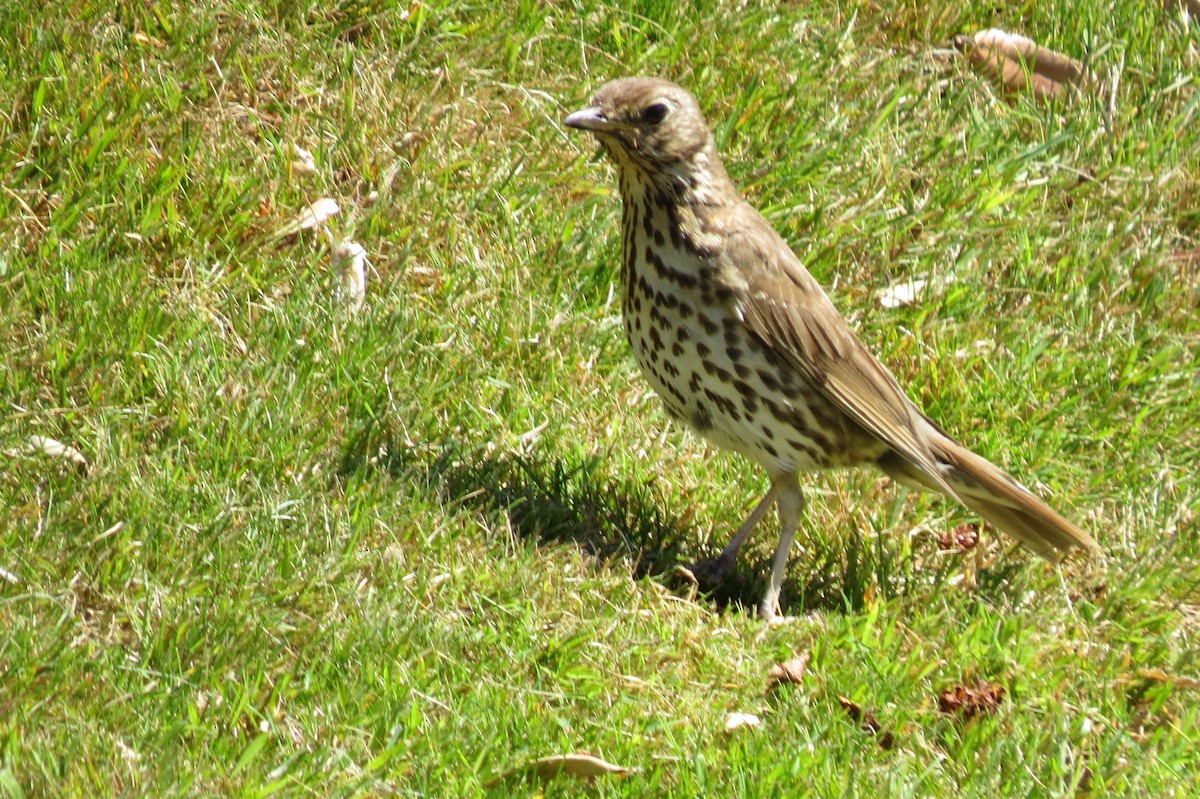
x=868 y=722
x=317 y=213
x=579 y=764
x=1176 y=680
x=51 y=448
x=970 y=701
x=351 y=258
x=961 y=539
x=1019 y=63
x=311 y=217
x=304 y=163
x=901 y=294
x=789 y=671
x=424 y=277
x=140 y=38
x=736 y=721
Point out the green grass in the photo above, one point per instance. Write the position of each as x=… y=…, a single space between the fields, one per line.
x=406 y=550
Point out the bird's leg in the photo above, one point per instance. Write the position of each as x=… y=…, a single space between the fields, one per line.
x=791 y=505
x=711 y=572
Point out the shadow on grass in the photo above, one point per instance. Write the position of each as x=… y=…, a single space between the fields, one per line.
x=623 y=523
x=545 y=499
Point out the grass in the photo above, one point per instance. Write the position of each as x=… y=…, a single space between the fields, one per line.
x=406 y=550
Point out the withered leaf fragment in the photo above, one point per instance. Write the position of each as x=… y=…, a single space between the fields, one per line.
x=790 y=671
x=970 y=701
x=577 y=764
x=869 y=723
x=1019 y=64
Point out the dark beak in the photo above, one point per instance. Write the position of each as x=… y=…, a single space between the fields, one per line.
x=588 y=119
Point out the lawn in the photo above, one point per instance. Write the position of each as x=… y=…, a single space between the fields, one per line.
x=286 y=547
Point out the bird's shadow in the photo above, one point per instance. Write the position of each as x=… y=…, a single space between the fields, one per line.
x=622 y=523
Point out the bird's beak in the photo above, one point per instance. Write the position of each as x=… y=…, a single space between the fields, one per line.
x=588 y=119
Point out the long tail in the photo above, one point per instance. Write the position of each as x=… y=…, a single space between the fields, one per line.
x=994 y=495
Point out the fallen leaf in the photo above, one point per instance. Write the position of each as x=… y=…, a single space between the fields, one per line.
x=424 y=277
x=789 y=671
x=868 y=722
x=317 y=213
x=311 y=217
x=304 y=163
x=51 y=448
x=351 y=258
x=735 y=721
x=1158 y=675
x=901 y=294
x=961 y=539
x=579 y=764
x=1020 y=64
x=970 y=701
x=138 y=37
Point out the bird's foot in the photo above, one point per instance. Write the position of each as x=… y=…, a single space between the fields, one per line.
x=708 y=574
x=773 y=618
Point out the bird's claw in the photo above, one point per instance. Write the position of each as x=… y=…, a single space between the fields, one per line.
x=708 y=574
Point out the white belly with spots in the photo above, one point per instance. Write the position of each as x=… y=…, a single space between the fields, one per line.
x=712 y=374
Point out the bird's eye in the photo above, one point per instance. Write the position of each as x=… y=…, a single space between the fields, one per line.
x=654 y=113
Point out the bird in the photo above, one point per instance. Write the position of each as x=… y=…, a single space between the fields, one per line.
x=742 y=344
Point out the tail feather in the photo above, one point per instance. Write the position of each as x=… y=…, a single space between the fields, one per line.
x=997 y=497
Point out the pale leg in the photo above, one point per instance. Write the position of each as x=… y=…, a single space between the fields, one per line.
x=711 y=572
x=791 y=505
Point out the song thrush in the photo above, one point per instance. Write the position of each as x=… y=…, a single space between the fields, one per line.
x=740 y=342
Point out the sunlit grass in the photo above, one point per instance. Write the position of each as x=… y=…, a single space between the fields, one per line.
x=404 y=550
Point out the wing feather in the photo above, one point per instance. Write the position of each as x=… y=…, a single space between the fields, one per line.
x=784 y=305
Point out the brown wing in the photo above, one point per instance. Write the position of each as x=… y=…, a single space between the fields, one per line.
x=785 y=306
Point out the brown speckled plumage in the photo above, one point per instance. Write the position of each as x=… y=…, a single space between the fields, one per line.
x=741 y=343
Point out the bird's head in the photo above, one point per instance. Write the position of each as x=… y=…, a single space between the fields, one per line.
x=655 y=127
